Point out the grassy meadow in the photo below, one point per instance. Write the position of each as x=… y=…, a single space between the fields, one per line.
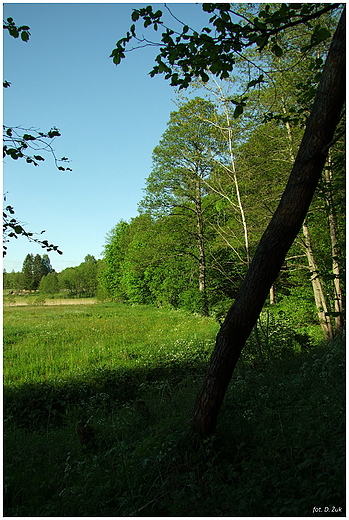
x=131 y=373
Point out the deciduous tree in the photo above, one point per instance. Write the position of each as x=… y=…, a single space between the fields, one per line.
x=182 y=162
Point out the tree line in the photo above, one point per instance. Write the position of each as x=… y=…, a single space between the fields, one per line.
x=38 y=275
x=215 y=184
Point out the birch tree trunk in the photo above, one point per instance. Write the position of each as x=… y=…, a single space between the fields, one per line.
x=201 y=248
x=278 y=237
x=320 y=301
x=319 y=296
x=338 y=296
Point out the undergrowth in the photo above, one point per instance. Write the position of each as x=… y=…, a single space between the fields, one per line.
x=278 y=451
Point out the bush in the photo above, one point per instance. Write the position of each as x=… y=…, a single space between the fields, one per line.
x=273 y=337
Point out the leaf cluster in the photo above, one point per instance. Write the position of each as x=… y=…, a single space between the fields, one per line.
x=188 y=54
x=15 y=30
x=13 y=228
x=17 y=144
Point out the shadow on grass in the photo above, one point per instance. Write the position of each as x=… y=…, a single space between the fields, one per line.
x=279 y=448
x=34 y=404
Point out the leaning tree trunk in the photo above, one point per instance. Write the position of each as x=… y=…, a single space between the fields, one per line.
x=278 y=237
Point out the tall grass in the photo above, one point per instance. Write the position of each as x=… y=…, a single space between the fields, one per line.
x=279 y=448
x=50 y=343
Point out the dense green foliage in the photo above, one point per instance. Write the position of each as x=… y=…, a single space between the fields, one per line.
x=189 y=54
x=33 y=270
x=157 y=256
x=279 y=447
x=217 y=179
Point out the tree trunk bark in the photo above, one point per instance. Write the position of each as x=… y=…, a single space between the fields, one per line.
x=201 y=248
x=338 y=296
x=320 y=301
x=278 y=237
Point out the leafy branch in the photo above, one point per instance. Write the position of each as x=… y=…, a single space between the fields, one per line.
x=19 y=141
x=15 y=31
x=188 y=54
x=13 y=228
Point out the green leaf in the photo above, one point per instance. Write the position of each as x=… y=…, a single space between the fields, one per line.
x=238 y=111
x=14 y=32
x=135 y=16
x=260 y=41
x=204 y=76
x=255 y=82
x=25 y=36
x=320 y=34
x=208 y=7
x=53 y=133
x=277 y=50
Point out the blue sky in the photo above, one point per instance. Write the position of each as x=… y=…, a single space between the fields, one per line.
x=110 y=118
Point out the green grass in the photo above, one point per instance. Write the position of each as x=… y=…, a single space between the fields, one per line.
x=279 y=447
x=49 y=343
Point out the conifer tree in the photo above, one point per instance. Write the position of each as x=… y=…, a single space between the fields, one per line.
x=27 y=272
x=38 y=272
x=46 y=265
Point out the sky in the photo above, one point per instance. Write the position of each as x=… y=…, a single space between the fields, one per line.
x=110 y=118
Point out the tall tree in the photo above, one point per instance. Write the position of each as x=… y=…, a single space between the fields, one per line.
x=27 y=272
x=218 y=54
x=110 y=277
x=181 y=164
x=46 y=265
x=49 y=283
x=88 y=273
x=38 y=271
x=335 y=248
x=278 y=237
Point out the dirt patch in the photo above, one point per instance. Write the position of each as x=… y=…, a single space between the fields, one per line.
x=63 y=301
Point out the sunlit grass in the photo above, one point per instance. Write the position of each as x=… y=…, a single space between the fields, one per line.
x=50 y=343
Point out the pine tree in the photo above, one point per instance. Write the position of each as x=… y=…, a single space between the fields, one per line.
x=27 y=272
x=37 y=271
x=46 y=265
